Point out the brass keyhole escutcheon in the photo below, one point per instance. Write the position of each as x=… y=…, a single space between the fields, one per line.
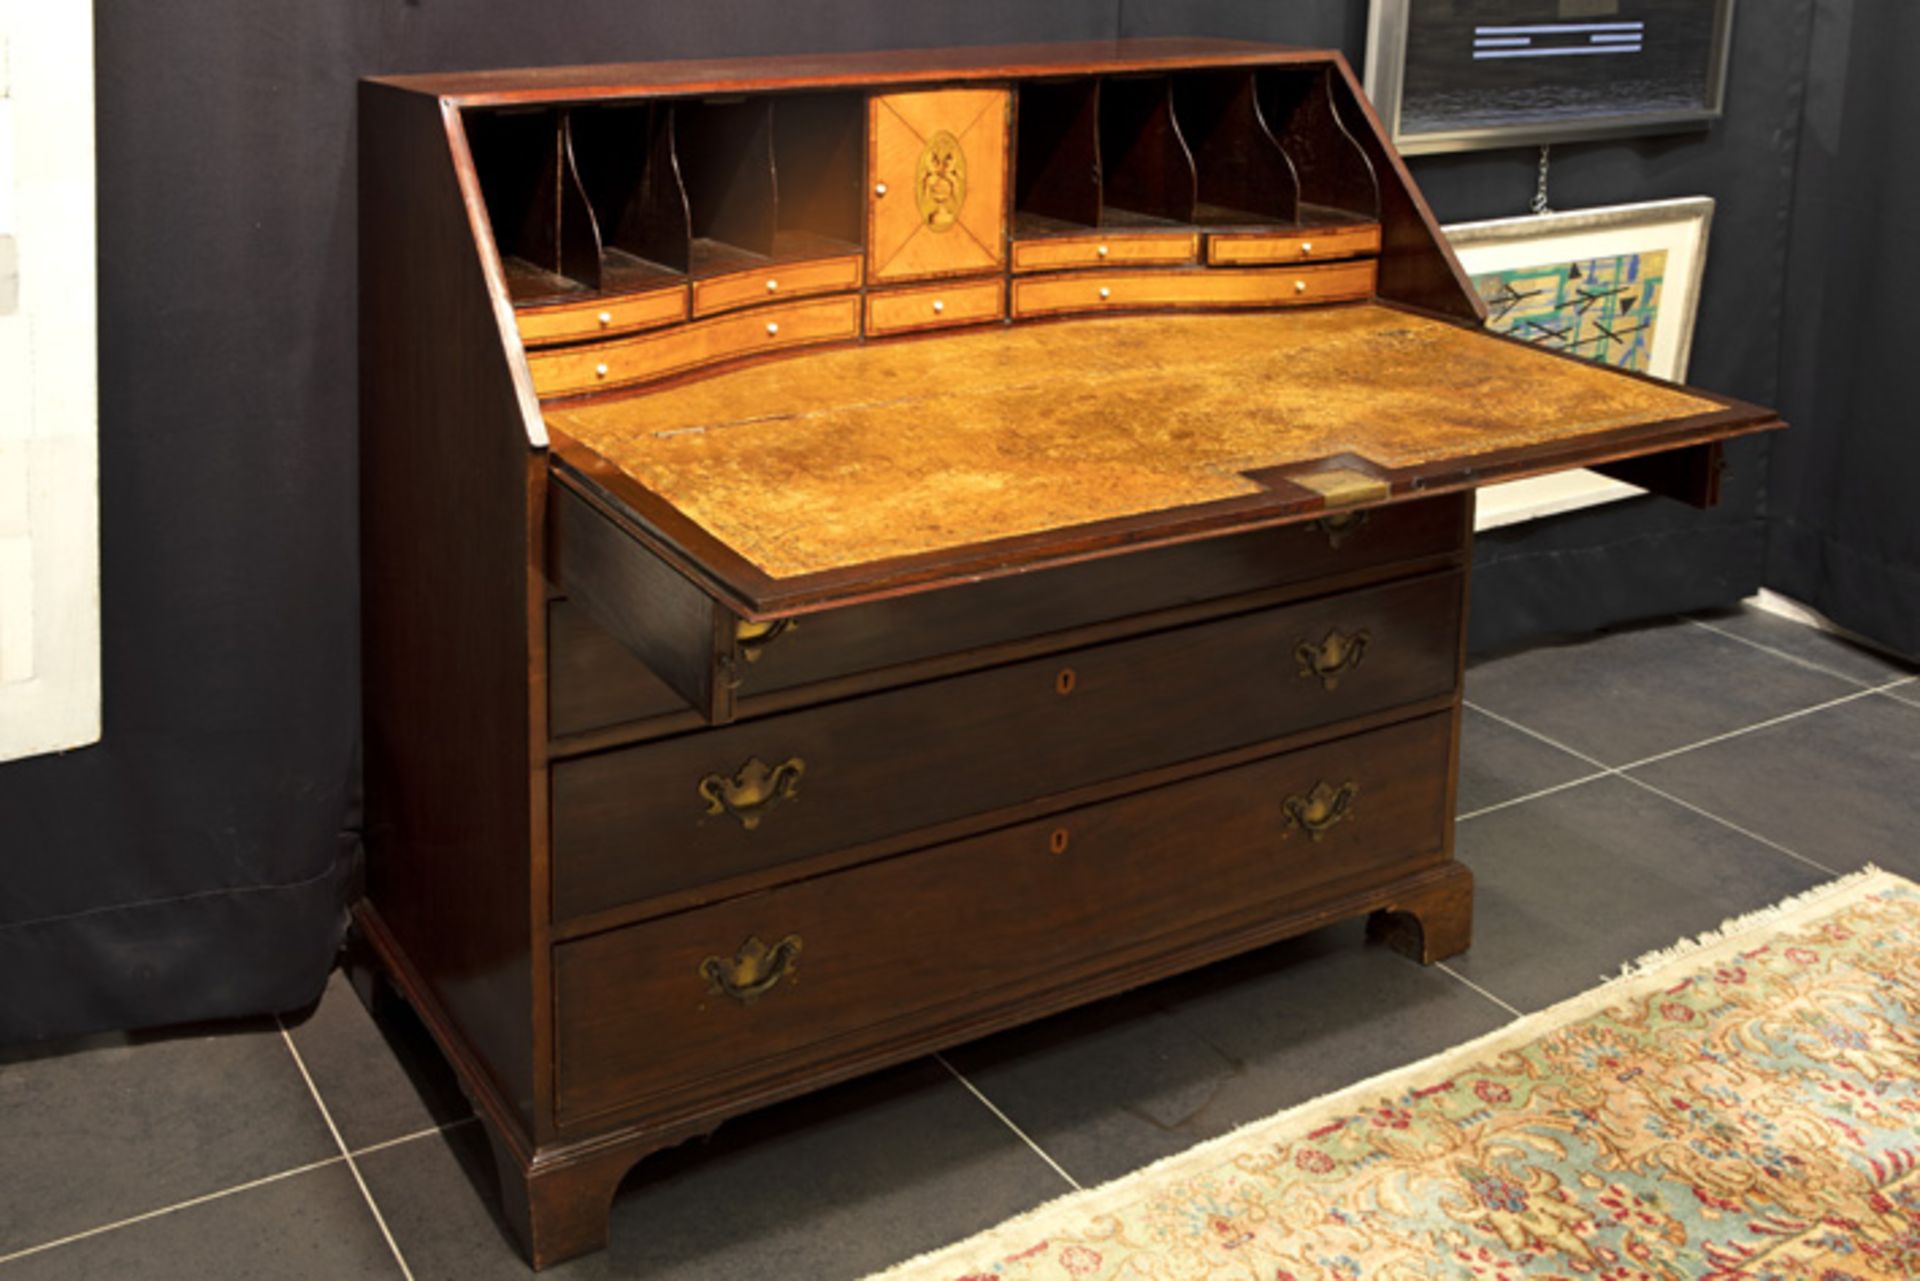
x=1064 y=683
x=940 y=182
x=1057 y=840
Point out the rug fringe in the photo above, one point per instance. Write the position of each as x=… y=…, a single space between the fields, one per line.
x=1733 y=926
x=1086 y=1203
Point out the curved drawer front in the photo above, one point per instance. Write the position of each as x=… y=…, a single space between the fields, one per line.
x=595 y=682
x=715 y=997
x=1053 y=253
x=572 y=371
x=1208 y=287
x=601 y=317
x=1247 y=247
x=774 y=282
x=692 y=810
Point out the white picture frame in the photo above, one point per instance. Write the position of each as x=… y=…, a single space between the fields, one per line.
x=1530 y=252
x=49 y=384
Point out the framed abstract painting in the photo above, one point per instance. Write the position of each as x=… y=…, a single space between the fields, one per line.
x=1619 y=285
x=1449 y=75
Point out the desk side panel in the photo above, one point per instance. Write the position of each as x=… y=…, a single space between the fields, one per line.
x=1417 y=266
x=450 y=492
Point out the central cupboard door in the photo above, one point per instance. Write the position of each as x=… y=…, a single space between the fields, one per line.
x=938 y=169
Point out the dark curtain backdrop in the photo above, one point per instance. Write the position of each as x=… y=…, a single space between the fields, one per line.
x=1843 y=516
x=197 y=862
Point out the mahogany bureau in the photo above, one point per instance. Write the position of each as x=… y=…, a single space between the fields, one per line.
x=864 y=551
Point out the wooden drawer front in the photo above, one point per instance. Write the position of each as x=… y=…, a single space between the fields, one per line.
x=1055 y=252
x=875 y=952
x=1245 y=248
x=768 y=284
x=899 y=311
x=601 y=317
x=1134 y=290
x=687 y=811
x=575 y=370
x=937 y=173
x=594 y=682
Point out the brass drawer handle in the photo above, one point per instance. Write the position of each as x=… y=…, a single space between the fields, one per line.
x=753 y=638
x=1321 y=808
x=1341 y=526
x=754 y=970
x=755 y=788
x=1333 y=657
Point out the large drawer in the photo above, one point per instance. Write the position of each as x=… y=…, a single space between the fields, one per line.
x=688 y=811
x=594 y=681
x=758 y=986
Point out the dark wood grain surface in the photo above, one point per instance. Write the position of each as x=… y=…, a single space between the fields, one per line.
x=633 y=823
x=1024 y=908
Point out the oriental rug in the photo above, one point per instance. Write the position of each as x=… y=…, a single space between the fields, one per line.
x=1746 y=1105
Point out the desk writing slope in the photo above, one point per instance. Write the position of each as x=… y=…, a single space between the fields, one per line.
x=864 y=454
x=861 y=552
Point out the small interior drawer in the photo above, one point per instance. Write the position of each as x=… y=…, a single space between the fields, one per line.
x=744 y=987
x=601 y=317
x=1245 y=248
x=1134 y=290
x=1052 y=253
x=899 y=311
x=761 y=793
x=596 y=366
x=773 y=282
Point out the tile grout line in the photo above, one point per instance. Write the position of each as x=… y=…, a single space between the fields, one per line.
x=1622 y=774
x=1444 y=968
x=1008 y=1121
x=346 y=1155
x=1769 y=842
x=1778 y=653
x=189 y=1203
x=1603 y=772
x=1856 y=696
x=236 y=1189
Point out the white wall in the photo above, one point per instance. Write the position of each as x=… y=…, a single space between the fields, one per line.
x=49 y=506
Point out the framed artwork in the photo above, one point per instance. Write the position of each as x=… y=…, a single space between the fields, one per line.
x=1619 y=285
x=1454 y=75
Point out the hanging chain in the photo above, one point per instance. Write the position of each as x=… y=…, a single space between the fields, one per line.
x=1540 y=205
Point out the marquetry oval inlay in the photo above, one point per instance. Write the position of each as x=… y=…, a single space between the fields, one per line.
x=941 y=185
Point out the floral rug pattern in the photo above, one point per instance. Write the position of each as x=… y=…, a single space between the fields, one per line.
x=1748 y=1110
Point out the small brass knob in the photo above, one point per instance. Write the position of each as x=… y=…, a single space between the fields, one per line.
x=879 y=188
x=773 y=286
x=773 y=327
x=600 y=370
x=1105 y=292
x=1306 y=246
x=1102 y=251
x=938 y=306
x=1299 y=286
x=606 y=318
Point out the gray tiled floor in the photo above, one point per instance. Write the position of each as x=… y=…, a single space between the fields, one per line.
x=1661 y=778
